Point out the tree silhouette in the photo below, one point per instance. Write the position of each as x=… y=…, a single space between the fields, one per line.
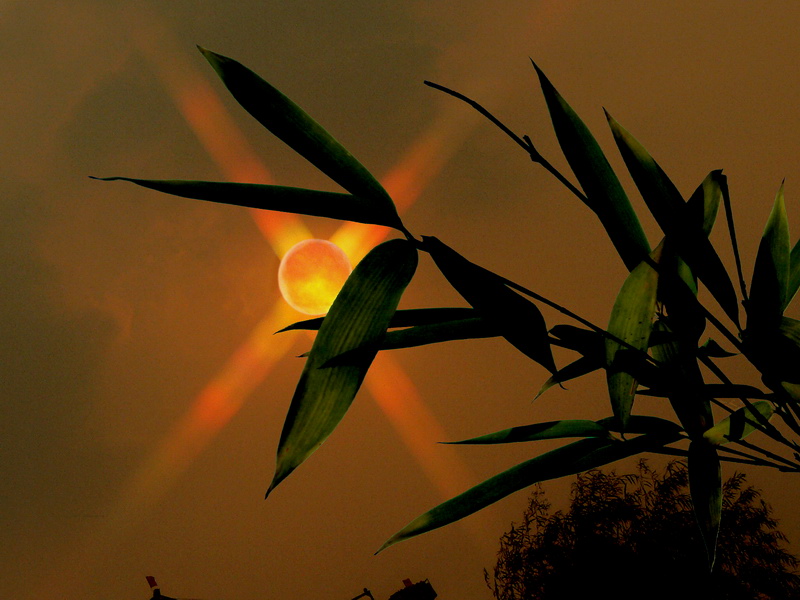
x=635 y=536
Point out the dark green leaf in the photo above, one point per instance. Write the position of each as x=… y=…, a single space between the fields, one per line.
x=739 y=424
x=584 y=341
x=632 y=322
x=567 y=460
x=705 y=486
x=434 y=333
x=358 y=319
x=466 y=329
x=714 y=390
x=344 y=207
x=402 y=318
x=583 y=366
x=293 y=126
x=670 y=211
x=642 y=424
x=682 y=382
x=541 y=431
x=794 y=273
x=703 y=205
x=775 y=351
x=515 y=318
x=713 y=349
x=604 y=193
x=768 y=288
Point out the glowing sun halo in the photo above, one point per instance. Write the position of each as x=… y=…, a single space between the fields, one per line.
x=311 y=274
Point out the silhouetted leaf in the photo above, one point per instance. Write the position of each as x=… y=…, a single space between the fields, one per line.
x=434 y=333
x=402 y=318
x=677 y=293
x=714 y=390
x=703 y=205
x=344 y=207
x=775 y=351
x=421 y=335
x=705 y=486
x=570 y=459
x=357 y=319
x=584 y=341
x=768 y=288
x=670 y=211
x=682 y=381
x=713 y=349
x=739 y=424
x=541 y=431
x=516 y=318
x=632 y=322
x=293 y=126
x=583 y=366
x=794 y=273
x=642 y=424
x=604 y=193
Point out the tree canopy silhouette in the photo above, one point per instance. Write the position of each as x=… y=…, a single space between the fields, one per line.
x=635 y=536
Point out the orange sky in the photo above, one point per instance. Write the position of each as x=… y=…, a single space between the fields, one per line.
x=126 y=312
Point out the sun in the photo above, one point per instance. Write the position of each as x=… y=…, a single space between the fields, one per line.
x=311 y=274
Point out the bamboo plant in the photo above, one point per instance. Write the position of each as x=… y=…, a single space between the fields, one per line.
x=660 y=340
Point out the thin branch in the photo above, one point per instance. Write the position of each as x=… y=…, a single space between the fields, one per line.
x=757 y=460
x=524 y=142
x=768 y=454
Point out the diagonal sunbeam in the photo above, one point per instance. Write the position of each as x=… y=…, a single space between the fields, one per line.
x=224 y=395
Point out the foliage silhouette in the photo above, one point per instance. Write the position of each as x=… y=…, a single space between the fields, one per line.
x=653 y=342
x=643 y=523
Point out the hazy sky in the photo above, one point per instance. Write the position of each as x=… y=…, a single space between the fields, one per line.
x=126 y=315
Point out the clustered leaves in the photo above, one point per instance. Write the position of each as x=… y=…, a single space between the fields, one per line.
x=651 y=345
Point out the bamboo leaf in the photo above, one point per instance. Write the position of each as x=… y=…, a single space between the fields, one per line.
x=578 y=368
x=705 y=487
x=421 y=335
x=670 y=211
x=584 y=341
x=401 y=318
x=435 y=333
x=344 y=207
x=703 y=204
x=293 y=126
x=775 y=351
x=516 y=318
x=642 y=424
x=632 y=322
x=713 y=390
x=358 y=318
x=794 y=273
x=541 y=431
x=713 y=349
x=604 y=194
x=769 y=285
x=739 y=424
x=570 y=459
x=682 y=381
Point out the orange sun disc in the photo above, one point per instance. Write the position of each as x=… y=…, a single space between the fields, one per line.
x=311 y=274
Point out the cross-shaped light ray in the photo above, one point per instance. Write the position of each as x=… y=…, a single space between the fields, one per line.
x=224 y=395
x=198 y=101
